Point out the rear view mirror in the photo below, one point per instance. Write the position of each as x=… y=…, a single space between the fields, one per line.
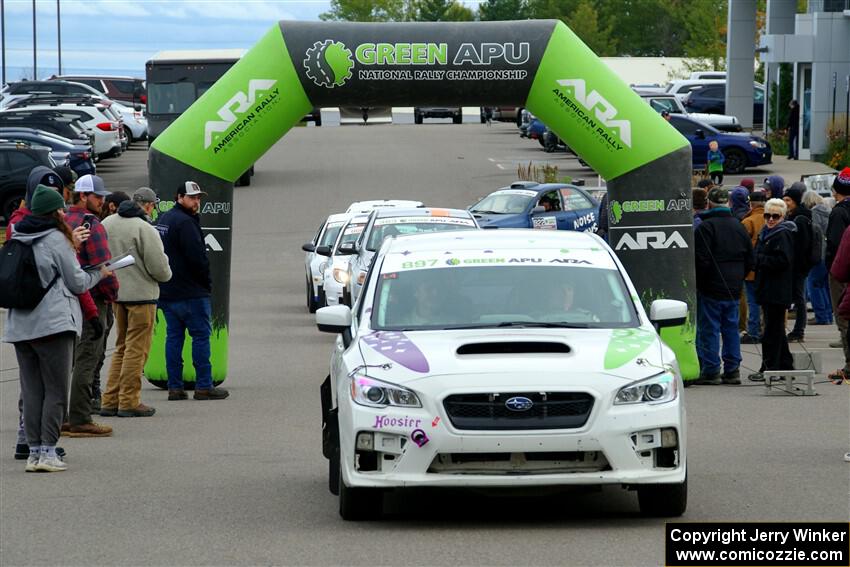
x=308 y=247
x=346 y=248
x=668 y=313
x=323 y=250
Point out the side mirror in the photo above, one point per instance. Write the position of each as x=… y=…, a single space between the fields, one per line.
x=137 y=107
x=309 y=247
x=538 y=209
x=347 y=249
x=334 y=319
x=323 y=251
x=668 y=313
x=699 y=134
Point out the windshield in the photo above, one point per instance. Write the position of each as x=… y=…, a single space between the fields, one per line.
x=331 y=232
x=384 y=228
x=508 y=202
x=464 y=296
x=350 y=234
x=170 y=98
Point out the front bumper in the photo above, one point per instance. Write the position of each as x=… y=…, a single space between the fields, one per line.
x=617 y=445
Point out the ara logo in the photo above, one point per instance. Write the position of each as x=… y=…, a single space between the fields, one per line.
x=212 y=243
x=604 y=110
x=239 y=104
x=655 y=239
x=328 y=63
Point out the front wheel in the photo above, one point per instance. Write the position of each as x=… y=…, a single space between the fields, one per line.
x=312 y=304
x=735 y=161
x=356 y=504
x=417 y=118
x=663 y=500
x=457 y=119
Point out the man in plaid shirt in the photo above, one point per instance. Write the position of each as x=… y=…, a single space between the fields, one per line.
x=86 y=204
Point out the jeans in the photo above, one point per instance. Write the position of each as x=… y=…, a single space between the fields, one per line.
x=717 y=318
x=754 y=319
x=817 y=288
x=192 y=315
x=798 y=296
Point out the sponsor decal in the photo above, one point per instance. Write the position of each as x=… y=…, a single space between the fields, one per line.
x=331 y=63
x=240 y=113
x=435 y=421
x=654 y=239
x=523 y=192
x=404 y=422
x=424 y=220
x=357 y=229
x=585 y=222
x=595 y=112
x=544 y=223
x=618 y=209
x=212 y=244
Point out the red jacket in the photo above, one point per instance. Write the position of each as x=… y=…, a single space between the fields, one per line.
x=86 y=302
x=840 y=270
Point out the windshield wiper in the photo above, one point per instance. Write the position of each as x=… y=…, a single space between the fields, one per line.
x=520 y=324
x=485 y=212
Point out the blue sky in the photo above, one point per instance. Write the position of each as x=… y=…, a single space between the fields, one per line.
x=118 y=36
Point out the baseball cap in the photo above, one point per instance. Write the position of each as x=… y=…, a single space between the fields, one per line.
x=190 y=188
x=719 y=195
x=90 y=184
x=66 y=174
x=52 y=180
x=145 y=195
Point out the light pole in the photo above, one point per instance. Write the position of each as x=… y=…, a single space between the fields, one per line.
x=59 y=33
x=34 y=45
x=3 y=38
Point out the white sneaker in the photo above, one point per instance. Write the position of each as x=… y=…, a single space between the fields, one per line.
x=50 y=464
x=32 y=463
x=847 y=457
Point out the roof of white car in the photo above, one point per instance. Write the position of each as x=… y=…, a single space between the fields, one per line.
x=339 y=217
x=367 y=206
x=528 y=243
x=421 y=212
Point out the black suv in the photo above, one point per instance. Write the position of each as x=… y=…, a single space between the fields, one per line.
x=16 y=161
x=711 y=99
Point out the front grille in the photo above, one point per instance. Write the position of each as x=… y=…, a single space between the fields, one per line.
x=550 y=410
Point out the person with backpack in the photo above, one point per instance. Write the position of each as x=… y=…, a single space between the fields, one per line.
x=806 y=255
x=817 y=284
x=44 y=319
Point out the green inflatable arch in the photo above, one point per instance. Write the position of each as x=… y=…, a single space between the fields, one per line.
x=539 y=64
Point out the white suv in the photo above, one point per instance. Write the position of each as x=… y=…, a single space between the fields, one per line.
x=501 y=358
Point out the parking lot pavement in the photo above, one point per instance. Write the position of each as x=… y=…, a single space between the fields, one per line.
x=243 y=481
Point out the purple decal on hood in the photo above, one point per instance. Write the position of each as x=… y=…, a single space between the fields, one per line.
x=398 y=348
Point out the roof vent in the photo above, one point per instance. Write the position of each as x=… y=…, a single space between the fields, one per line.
x=524 y=184
x=514 y=347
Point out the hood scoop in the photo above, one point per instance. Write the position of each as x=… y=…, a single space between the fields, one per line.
x=514 y=347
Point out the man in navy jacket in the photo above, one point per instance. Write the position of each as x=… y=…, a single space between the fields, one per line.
x=185 y=298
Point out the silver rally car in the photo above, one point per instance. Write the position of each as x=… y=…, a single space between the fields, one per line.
x=502 y=359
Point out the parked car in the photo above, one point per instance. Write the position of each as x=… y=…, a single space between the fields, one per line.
x=664 y=101
x=128 y=89
x=77 y=155
x=16 y=161
x=535 y=129
x=134 y=122
x=453 y=112
x=25 y=89
x=477 y=360
x=740 y=150
x=546 y=206
x=711 y=99
x=54 y=121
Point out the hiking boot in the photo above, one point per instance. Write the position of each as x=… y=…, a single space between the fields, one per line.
x=50 y=464
x=748 y=339
x=709 y=380
x=756 y=377
x=211 y=394
x=90 y=429
x=108 y=412
x=836 y=344
x=177 y=395
x=795 y=337
x=733 y=377
x=140 y=410
x=32 y=463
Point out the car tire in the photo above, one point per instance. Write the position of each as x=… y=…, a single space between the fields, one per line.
x=519 y=117
x=736 y=161
x=129 y=134
x=317 y=119
x=457 y=119
x=417 y=118
x=357 y=504
x=312 y=304
x=663 y=500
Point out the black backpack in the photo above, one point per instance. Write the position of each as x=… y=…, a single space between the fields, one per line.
x=816 y=251
x=20 y=284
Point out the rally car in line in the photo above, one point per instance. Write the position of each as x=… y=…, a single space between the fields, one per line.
x=335 y=277
x=315 y=260
x=369 y=206
x=545 y=206
x=502 y=359
x=384 y=223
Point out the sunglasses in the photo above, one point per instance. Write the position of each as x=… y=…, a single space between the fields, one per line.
x=774 y=216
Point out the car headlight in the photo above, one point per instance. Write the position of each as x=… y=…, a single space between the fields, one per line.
x=757 y=144
x=656 y=389
x=322 y=267
x=374 y=393
x=341 y=275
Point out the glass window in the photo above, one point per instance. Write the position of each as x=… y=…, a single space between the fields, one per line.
x=350 y=234
x=381 y=231
x=758 y=94
x=94 y=83
x=686 y=127
x=504 y=203
x=661 y=104
x=575 y=201
x=331 y=232
x=21 y=160
x=550 y=201
x=204 y=86
x=170 y=98
x=127 y=86
x=493 y=296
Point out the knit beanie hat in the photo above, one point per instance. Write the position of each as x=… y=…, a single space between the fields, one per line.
x=841 y=185
x=748 y=183
x=46 y=200
x=795 y=192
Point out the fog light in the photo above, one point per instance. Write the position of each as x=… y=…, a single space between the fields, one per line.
x=365 y=441
x=669 y=438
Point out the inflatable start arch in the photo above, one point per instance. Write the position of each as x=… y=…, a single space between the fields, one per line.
x=539 y=64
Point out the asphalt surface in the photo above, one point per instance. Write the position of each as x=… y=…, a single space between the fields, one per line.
x=243 y=481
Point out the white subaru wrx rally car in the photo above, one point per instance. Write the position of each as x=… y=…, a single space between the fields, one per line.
x=316 y=256
x=502 y=359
